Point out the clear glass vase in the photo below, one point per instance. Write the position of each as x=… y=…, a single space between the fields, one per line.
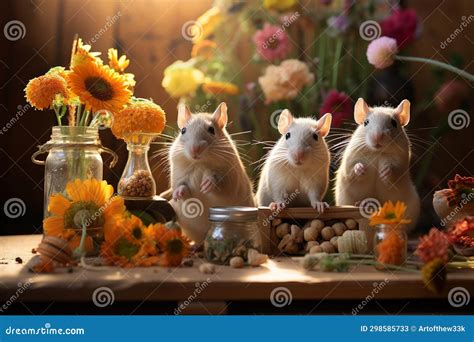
x=137 y=180
x=390 y=244
x=73 y=153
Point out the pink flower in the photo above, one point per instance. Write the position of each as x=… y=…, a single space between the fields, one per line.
x=401 y=25
x=271 y=42
x=380 y=52
x=285 y=81
x=339 y=105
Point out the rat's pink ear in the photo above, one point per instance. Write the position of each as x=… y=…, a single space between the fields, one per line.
x=184 y=115
x=284 y=121
x=220 y=115
x=403 y=112
x=360 y=110
x=323 y=125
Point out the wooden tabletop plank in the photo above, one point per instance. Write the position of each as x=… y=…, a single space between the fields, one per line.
x=158 y=283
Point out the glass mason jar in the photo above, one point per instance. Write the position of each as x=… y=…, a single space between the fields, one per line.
x=233 y=231
x=390 y=244
x=73 y=153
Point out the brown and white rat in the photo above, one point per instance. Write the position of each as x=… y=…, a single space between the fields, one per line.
x=296 y=170
x=375 y=163
x=205 y=170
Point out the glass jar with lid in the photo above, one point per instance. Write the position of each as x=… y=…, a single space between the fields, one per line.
x=233 y=232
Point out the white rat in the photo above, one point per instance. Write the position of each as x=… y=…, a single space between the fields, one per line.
x=376 y=161
x=205 y=170
x=296 y=171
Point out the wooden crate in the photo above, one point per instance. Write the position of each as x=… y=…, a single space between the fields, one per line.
x=268 y=233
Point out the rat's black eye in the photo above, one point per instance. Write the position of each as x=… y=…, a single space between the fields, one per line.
x=366 y=122
x=287 y=135
x=394 y=122
x=315 y=136
x=211 y=130
x=183 y=130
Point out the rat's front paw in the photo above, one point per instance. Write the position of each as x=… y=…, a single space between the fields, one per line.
x=179 y=192
x=208 y=184
x=360 y=169
x=319 y=206
x=274 y=206
x=385 y=173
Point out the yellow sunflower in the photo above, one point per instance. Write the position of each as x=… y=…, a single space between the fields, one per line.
x=140 y=116
x=81 y=54
x=43 y=90
x=116 y=63
x=204 y=48
x=217 y=88
x=390 y=214
x=99 y=86
x=88 y=202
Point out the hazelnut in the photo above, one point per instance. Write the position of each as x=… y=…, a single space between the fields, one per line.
x=318 y=224
x=339 y=228
x=282 y=230
x=327 y=233
x=351 y=224
x=207 y=268
x=334 y=241
x=328 y=247
x=255 y=258
x=236 y=262
x=296 y=233
x=315 y=249
x=311 y=244
x=310 y=233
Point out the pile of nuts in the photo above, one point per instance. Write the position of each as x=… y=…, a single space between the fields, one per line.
x=140 y=184
x=316 y=236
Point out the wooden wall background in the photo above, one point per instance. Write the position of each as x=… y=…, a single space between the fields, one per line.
x=149 y=32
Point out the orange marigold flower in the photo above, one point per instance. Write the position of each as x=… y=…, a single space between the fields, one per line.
x=41 y=91
x=175 y=247
x=140 y=116
x=434 y=245
x=391 y=249
x=216 y=88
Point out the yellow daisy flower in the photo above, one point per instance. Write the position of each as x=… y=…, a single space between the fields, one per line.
x=88 y=202
x=99 y=87
x=182 y=79
x=81 y=54
x=116 y=63
x=390 y=214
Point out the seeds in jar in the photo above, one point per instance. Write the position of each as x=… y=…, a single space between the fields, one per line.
x=140 y=184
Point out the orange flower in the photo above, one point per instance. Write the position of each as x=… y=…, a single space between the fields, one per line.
x=42 y=91
x=390 y=214
x=391 y=249
x=204 y=49
x=434 y=245
x=215 y=88
x=140 y=116
x=175 y=247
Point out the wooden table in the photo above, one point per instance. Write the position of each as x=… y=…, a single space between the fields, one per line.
x=226 y=285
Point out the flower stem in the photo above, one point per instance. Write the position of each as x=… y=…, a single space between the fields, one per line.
x=337 y=58
x=446 y=66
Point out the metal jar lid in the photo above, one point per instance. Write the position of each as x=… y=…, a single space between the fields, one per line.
x=233 y=214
